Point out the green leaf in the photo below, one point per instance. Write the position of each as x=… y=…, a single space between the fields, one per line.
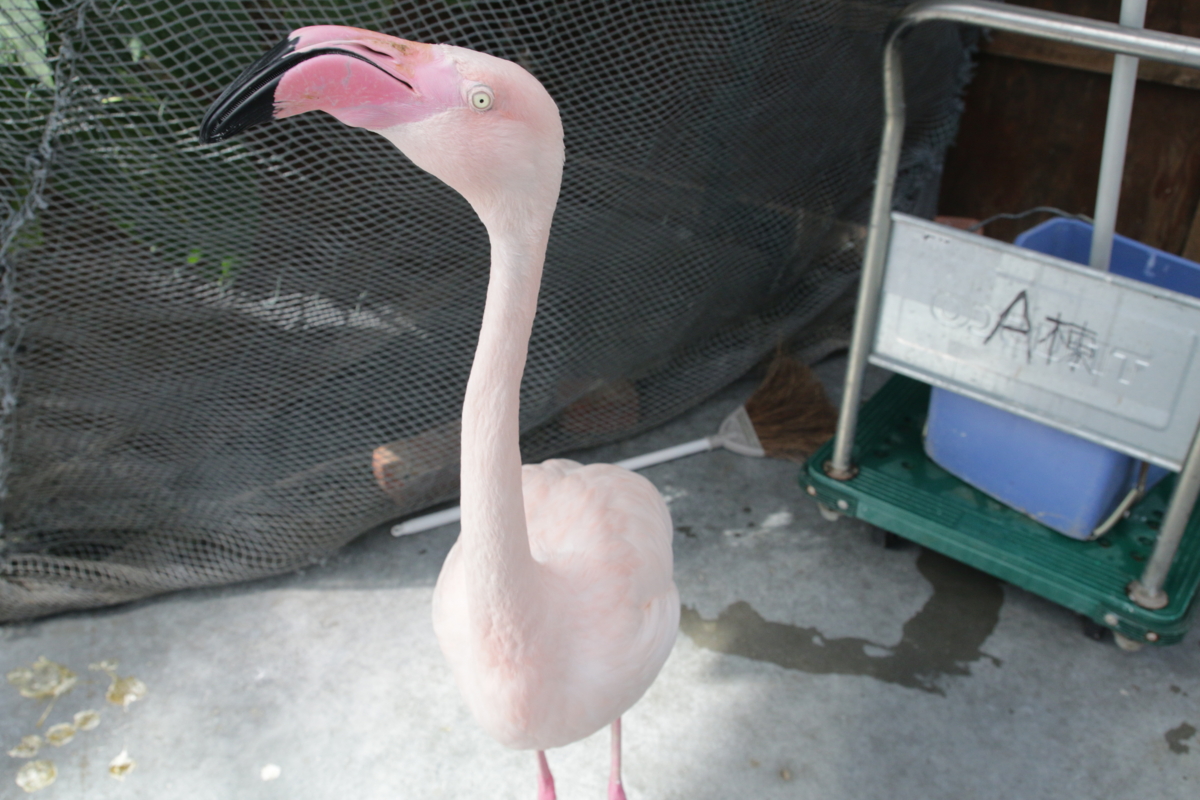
x=23 y=35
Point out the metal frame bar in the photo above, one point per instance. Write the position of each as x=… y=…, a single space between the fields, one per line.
x=1116 y=136
x=1152 y=45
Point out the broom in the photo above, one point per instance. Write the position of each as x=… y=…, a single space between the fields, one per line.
x=788 y=417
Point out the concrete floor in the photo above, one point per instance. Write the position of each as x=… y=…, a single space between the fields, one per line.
x=813 y=663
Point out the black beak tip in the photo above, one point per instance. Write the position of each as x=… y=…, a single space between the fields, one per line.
x=210 y=131
x=217 y=126
x=250 y=99
x=210 y=128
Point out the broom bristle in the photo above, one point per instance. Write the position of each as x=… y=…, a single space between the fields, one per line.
x=790 y=411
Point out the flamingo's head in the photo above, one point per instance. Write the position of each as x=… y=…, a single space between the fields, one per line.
x=482 y=124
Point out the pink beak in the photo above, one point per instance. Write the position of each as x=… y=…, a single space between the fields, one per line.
x=365 y=79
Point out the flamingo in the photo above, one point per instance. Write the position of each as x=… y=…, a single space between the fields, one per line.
x=556 y=607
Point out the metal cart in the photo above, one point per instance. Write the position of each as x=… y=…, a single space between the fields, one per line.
x=925 y=289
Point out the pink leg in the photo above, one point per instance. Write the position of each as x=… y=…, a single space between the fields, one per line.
x=615 y=790
x=545 y=779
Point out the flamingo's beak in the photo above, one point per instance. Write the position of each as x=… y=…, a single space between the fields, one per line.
x=365 y=79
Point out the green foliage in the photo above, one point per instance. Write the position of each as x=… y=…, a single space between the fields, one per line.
x=23 y=39
x=26 y=96
x=143 y=75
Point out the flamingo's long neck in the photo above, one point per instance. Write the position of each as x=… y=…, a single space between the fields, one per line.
x=501 y=572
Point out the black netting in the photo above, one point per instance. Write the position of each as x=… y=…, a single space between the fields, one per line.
x=222 y=362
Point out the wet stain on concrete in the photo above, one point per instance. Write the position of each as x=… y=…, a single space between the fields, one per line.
x=943 y=638
x=1177 y=736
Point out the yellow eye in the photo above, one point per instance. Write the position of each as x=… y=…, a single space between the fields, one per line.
x=481 y=98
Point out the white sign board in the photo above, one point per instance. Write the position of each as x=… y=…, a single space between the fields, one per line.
x=1098 y=355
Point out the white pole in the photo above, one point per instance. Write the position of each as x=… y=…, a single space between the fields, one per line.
x=1116 y=136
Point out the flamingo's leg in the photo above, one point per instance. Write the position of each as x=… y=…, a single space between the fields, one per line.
x=615 y=790
x=545 y=779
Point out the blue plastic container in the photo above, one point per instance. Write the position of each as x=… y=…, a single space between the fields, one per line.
x=1072 y=240
x=1068 y=484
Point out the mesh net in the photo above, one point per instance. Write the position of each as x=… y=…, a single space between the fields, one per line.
x=225 y=362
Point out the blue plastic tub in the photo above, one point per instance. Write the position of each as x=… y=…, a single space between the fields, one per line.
x=1072 y=240
x=1068 y=484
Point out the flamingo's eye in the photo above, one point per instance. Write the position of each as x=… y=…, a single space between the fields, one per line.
x=481 y=98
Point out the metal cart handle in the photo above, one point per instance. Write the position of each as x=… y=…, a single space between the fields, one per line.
x=1106 y=36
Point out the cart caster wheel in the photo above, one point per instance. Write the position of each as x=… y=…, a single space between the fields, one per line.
x=1126 y=644
x=828 y=513
x=888 y=540
x=1094 y=630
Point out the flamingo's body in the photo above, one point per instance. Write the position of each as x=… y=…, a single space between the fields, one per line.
x=599 y=540
x=556 y=607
